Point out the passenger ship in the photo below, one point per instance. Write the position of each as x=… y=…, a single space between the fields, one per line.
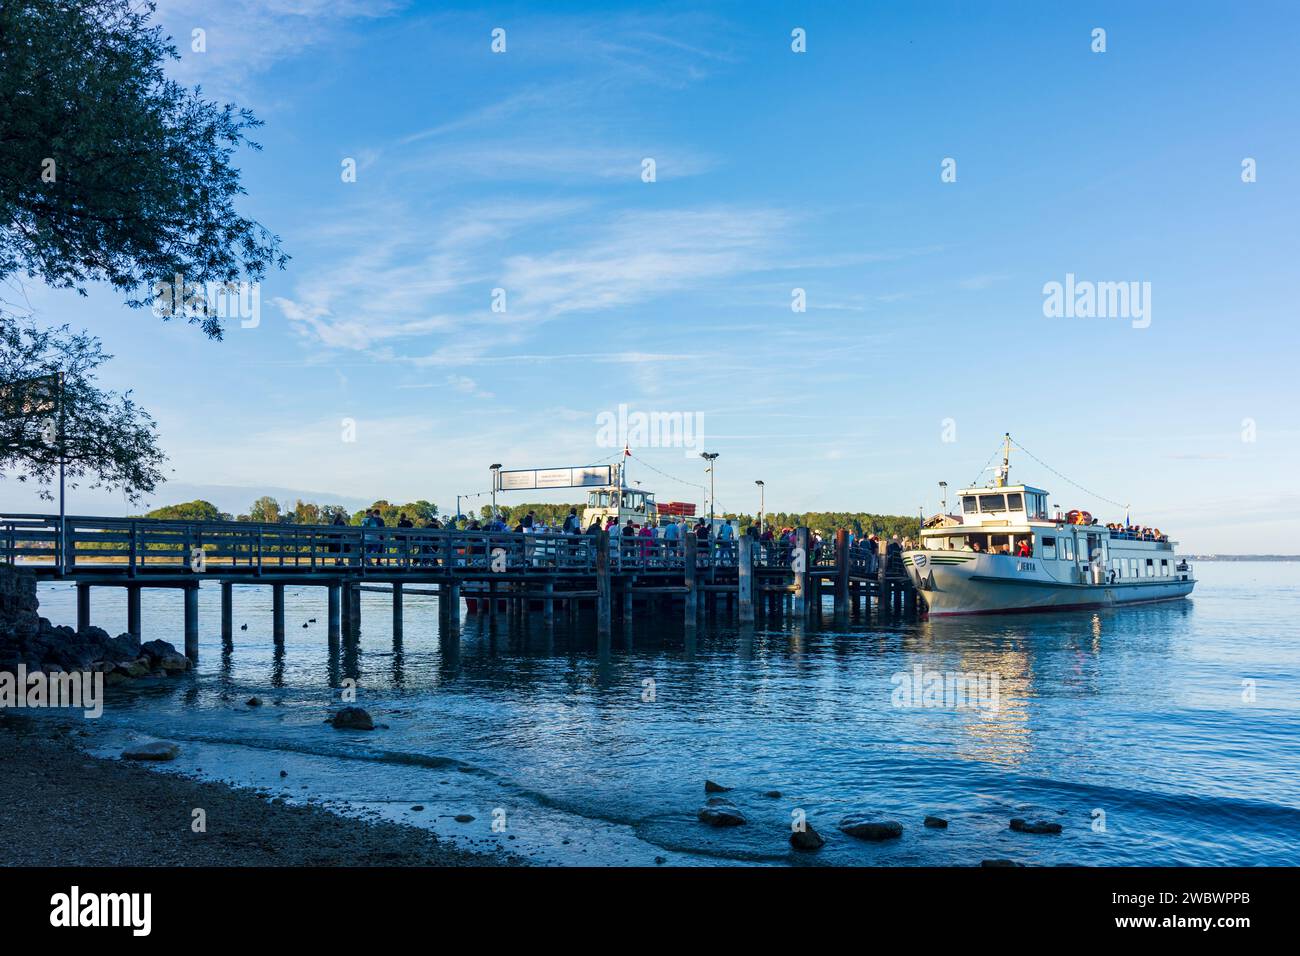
x=973 y=563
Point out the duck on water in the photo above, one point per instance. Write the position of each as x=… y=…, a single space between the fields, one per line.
x=1005 y=553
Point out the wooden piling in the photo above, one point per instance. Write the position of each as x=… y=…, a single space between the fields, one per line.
x=277 y=613
x=133 y=610
x=83 y=606
x=548 y=604
x=800 y=563
x=191 y=621
x=227 y=612
x=882 y=588
x=352 y=610
x=449 y=605
x=397 y=608
x=841 y=577
x=335 y=611
x=690 y=576
x=604 y=625
x=745 y=579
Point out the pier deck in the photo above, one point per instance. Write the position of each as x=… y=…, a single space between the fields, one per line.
x=506 y=570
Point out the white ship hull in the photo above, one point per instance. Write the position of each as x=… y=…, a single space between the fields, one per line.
x=961 y=582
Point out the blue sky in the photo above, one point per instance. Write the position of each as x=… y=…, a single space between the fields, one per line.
x=775 y=171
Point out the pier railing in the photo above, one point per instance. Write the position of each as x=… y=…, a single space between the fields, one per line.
x=146 y=545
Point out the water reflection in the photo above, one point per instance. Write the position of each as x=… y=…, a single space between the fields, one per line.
x=1128 y=706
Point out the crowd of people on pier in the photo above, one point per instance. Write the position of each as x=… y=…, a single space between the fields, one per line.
x=652 y=539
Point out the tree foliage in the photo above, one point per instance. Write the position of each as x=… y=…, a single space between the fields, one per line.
x=198 y=510
x=108 y=170
x=106 y=440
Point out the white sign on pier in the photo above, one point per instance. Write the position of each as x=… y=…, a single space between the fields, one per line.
x=528 y=479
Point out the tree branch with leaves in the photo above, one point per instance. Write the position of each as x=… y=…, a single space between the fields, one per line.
x=104 y=438
x=111 y=172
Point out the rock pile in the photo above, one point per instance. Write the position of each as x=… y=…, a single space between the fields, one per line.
x=29 y=640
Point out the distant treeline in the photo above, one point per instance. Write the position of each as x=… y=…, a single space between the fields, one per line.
x=1243 y=557
x=269 y=511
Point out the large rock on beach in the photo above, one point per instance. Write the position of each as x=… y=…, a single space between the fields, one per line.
x=76 y=657
x=136 y=668
x=157 y=650
x=711 y=787
x=721 y=813
x=1038 y=826
x=125 y=647
x=155 y=750
x=352 y=718
x=864 y=829
x=807 y=839
x=174 y=663
x=95 y=635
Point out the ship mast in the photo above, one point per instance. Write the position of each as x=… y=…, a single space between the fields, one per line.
x=1004 y=473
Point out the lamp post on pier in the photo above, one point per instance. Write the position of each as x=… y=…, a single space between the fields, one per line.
x=762 y=489
x=710 y=457
x=496 y=477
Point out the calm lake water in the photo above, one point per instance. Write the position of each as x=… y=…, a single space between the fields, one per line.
x=1128 y=727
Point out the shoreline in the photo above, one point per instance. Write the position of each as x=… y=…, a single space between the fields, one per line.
x=60 y=806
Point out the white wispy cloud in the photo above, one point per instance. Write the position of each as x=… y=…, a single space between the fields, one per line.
x=412 y=281
x=537 y=161
x=246 y=38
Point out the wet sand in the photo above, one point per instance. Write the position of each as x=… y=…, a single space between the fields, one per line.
x=61 y=807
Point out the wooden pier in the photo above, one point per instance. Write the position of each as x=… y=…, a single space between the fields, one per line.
x=505 y=572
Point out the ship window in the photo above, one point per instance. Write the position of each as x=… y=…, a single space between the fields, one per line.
x=1049 y=547
x=1067 y=549
x=968 y=504
x=1164 y=565
x=1015 y=502
x=992 y=503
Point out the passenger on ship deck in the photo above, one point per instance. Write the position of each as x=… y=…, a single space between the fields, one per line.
x=1026 y=549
